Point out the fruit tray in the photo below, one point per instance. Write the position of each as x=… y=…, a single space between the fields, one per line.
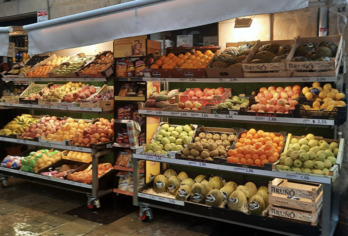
x=233 y=71
x=316 y=68
x=220 y=159
x=339 y=114
x=58 y=164
x=333 y=171
x=290 y=113
x=267 y=166
x=264 y=69
x=209 y=100
x=106 y=73
x=32 y=86
x=9 y=99
x=79 y=157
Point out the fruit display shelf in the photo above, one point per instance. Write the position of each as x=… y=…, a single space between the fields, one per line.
x=244 y=80
x=58 y=107
x=220 y=214
x=251 y=171
x=116 y=190
x=22 y=79
x=243 y=118
x=129 y=169
x=45 y=144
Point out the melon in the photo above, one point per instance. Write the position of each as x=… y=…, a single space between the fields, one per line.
x=214 y=198
x=160 y=184
x=173 y=184
x=198 y=193
x=237 y=200
x=183 y=193
x=169 y=172
x=182 y=175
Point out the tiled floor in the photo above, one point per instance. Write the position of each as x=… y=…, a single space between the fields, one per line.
x=28 y=209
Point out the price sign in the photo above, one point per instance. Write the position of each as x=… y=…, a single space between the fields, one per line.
x=305 y=177
x=229 y=117
x=321 y=79
x=217 y=116
x=183 y=114
x=158 y=113
x=173 y=113
x=259 y=118
x=158 y=158
x=205 y=115
x=192 y=80
x=193 y=114
x=321 y=122
x=273 y=119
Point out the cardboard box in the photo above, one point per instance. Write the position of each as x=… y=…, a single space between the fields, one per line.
x=136 y=47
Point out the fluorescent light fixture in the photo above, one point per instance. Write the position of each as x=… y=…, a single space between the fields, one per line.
x=243 y=22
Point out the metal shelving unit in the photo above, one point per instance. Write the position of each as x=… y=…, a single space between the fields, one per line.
x=329 y=215
x=93 y=191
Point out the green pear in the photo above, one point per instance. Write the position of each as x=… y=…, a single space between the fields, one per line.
x=306 y=170
x=332 y=159
x=327 y=164
x=308 y=164
x=304 y=156
x=303 y=141
x=288 y=161
x=297 y=163
x=319 y=165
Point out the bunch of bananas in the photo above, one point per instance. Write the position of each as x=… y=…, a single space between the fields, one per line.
x=18 y=124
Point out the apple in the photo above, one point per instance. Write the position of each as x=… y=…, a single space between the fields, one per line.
x=263 y=101
x=199 y=94
x=181 y=105
x=263 y=107
x=218 y=92
x=271 y=108
x=281 y=102
x=276 y=95
x=279 y=89
x=254 y=107
x=280 y=109
x=268 y=96
x=271 y=88
x=188 y=104
x=296 y=87
x=197 y=105
x=284 y=95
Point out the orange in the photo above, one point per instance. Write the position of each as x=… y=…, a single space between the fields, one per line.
x=241 y=140
x=263 y=157
x=260 y=151
x=170 y=55
x=247 y=142
x=268 y=139
x=276 y=140
x=238 y=145
x=264 y=162
x=243 y=161
x=266 y=134
x=252 y=151
x=154 y=66
x=252 y=131
x=255 y=156
x=247 y=156
x=268 y=146
x=239 y=150
x=240 y=155
x=260 y=132
x=237 y=160
x=272 y=159
x=243 y=135
x=232 y=152
x=230 y=159
x=250 y=162
x=249 y=136
x=262 y=140
x=258 y=162
x=272 y=135
x=258 y=145
x=279 y=149
x=245 y=151
x=158 y=62
x=253 y=141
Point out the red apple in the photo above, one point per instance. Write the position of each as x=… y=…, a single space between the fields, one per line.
x=288 y=88
x=271 y=88
x=199 y=94
x=293 y=103
x=254 y=107
x=268 y=96
x=218 y=92
x=296 y=87
x=263 y=89
x=263 y=107
x=290 y=93
x=271 y=108
x=191 y=93
x=280 y=109
x=188 y=104
x=284 y=95
x=273 y=101
x=281 y=102
x=295 y=96
x=181 y=105
x=263 y=101
x=276 y=95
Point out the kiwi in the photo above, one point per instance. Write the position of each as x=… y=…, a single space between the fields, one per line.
x=216 y=136
x=209 y=136
x=231 y=138
x=198 y=147
x=205 y=145
x=212 y=147
x=197 y=139
x=186 y=151
x=218 y=142
x=209 y=159
x=202 y=135
x=205 y=154
x=190 y=146
x=190 y=157
x=204 y=140
x=224 y=137
x=210 y=141
x=194 y=152
x=222 y=152
x=226 y=143
x=214 y=153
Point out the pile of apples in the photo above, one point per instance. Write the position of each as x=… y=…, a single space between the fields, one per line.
x=190 y=106
x=48 y=125
x=108 y=95
x=276 y=100
x=207 y=93
x=80 y=94
x=68 y=130
x=100 y=131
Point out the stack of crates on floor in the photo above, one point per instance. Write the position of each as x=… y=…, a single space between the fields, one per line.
x=295 y=201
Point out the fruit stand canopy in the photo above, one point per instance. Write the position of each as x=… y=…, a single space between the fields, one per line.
x=4 y=40
x=143 y=17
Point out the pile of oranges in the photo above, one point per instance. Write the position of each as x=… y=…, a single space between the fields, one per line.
x=93 y=69
x=256 y=148
x=43 y=70
x=188 y=60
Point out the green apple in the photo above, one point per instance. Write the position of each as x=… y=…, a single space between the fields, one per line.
x=297 y=163
x=162 y=132
x=324 y=146
x=310 y=136
x=295 y=155
x=311 y=155
x=332 y=159
x=315 y=149
x=320 y=157
x=172 y=144
x=279 y=167
x=287 y=168
x=175 y=134
x=167 y=147
x=328 y=153
x=294 y=140
x=171 y=129
x=319 y=165
x=282 y=159
x=308 y=164
x=183 y=134
x=179 y=141
x=148 y=147
x=289 y=152
x=186 y=139
x=165 y=141
x=296 y=147
x=179 y=129
x=288 y=161
x=172 y=139
x=335 y=151
x=158 y=152
x=303 y=141
x=165 y=127
x=191 y=133
x=296 y=169
x=179 y=147
x=326 y=171
x=304 y=157
x=327 y=164
x=187 y=128
x=333 y=145
x=317 y=172
x=313 y=143
x=149 y=151
x=159 y=137
x=306 y=170
x=167 y=134
x=305 y=148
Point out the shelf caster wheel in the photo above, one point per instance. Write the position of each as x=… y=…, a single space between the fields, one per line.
x=4 y=182
x=145 y=214
x=93 y=204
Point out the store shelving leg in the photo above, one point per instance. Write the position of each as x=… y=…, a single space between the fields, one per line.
x=326 y=212
x=95 y=180
x=335 y=205
x=3 y=180
x=135 y=182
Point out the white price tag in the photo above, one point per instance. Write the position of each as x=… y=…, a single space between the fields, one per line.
x=321 y=79
x=173 y=113
x=229 y=117
x=183 y=114
x=205 y=115
x=158 y=112
x=321 y=122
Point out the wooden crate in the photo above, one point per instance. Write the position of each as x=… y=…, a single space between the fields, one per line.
x=276 y=69
x=316 y=68
x=236 y=72
x=106 y=105
x=302 y=204
x=286 y=188
x=296 y=215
